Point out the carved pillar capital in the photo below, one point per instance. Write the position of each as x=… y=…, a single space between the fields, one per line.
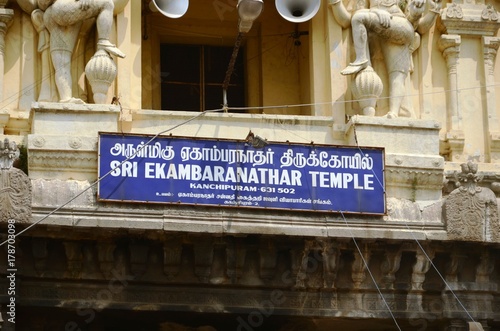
x=390 y=265
x=421 y=267
x=490 y=46
x=449 y=45
x=6 y=16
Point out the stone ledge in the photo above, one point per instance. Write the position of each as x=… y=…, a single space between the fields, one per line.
x=72 y=119
x=397 y=136
x=233 y=222
x=57 y=107
x=86 y=212
x=275 y=128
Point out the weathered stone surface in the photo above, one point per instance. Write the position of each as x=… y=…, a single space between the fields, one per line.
x=15 y=186
x=471 y=212
x=15 y=196
x=53 y=193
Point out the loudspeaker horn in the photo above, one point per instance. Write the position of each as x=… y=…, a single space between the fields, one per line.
x=297 y=11
x=170 y=8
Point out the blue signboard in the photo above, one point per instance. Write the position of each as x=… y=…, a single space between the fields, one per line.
x=236 y=174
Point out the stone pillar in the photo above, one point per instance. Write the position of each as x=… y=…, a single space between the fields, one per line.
x=203 y=258
x=420 y=269
x=358 y=270
x=474 y=25
x=450 y=47
x=6 y=16
x=172 y=258
x=490 y=48
x=390 y=265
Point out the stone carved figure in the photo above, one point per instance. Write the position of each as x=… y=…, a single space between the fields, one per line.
x=384 y=25
x=471 y=212
x=58 y=23
x=8 y=154
x=15 y=186
x=64 y=19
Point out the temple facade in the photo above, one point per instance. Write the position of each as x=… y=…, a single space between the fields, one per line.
x=412 y=81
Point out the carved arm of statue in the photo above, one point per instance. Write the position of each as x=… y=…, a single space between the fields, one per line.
x=427 y=21
x=414 y=11
x=342 y=16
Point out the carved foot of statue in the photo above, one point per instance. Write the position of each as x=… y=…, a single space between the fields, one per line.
x=391 y=114
x=73 y=100
x=354 y=68
x=369 y=111
x=110 y=48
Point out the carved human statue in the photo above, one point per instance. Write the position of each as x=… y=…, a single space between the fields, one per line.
x=63 y=19
x=385 y=24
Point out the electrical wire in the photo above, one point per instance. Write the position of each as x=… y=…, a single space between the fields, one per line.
x=369 y=271
x=421 y=247
x=439 y=273
x=14 y=97
x=110 y=171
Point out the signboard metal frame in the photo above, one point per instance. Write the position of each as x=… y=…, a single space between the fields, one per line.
x=377 y=177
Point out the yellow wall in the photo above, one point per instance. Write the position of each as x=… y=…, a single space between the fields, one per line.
x=277 y=71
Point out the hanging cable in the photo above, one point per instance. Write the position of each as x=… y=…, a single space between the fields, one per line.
x=110 y=171
x=229 y=71
x=439 y=273
x=369 y=271
x=422 y=248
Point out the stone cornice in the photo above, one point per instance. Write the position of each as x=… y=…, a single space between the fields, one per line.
x=226 y=221
x=469 y=19
x=311 y=276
